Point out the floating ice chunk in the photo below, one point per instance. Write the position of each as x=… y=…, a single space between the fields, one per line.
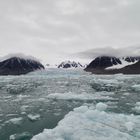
x=136 y=87
x=24 y=108
x=11 y=115
x=87 y=124
x=16 y=121
x=101 y=106
x=126 y=94
x=1 y=115
x=12 y=137
x=129 y=126
x=138 y=103
x=82 y=96
x=57 y=114
x=33 y=117
x=107 y=81
x=81 y=109
x=20 y=97
x=22 y=136
x=23 y=113
x=137 y=107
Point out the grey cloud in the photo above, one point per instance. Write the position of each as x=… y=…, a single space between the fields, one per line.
x=110 y=51
x=58 y=27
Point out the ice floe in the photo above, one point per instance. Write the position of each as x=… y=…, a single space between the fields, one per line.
x=129 y=126
x=22 y=136
x=33 y=117
x=136 y=87
x=16 y=121
x=84 y=123
x=137 y=107
x=24 y=108
x=82 y=96
x=101 y=106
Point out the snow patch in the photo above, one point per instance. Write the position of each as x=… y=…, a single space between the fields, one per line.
x=119 y=66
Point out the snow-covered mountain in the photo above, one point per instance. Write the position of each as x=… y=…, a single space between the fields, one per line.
x=70 y=64
x=113 y=65
x=17 y=65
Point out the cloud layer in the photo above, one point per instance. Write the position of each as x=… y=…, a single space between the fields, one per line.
x=53 y=29
x=110 y=51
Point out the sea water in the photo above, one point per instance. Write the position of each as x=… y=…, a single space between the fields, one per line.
x=58 y=104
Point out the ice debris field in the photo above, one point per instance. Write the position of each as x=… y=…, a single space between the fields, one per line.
x=69 y=105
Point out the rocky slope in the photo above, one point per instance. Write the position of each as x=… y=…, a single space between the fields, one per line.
x=17 y=65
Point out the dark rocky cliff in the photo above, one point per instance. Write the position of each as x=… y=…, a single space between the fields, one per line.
x=17 y=66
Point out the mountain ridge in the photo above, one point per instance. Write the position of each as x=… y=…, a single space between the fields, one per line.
x=114 y=65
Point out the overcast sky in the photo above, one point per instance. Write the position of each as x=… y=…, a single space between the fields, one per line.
x=55 y=30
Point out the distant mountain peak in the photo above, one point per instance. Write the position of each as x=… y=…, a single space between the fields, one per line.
x=17 y=65
x=70 y=64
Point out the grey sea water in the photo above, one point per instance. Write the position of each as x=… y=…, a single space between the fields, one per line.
x=30 y=103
